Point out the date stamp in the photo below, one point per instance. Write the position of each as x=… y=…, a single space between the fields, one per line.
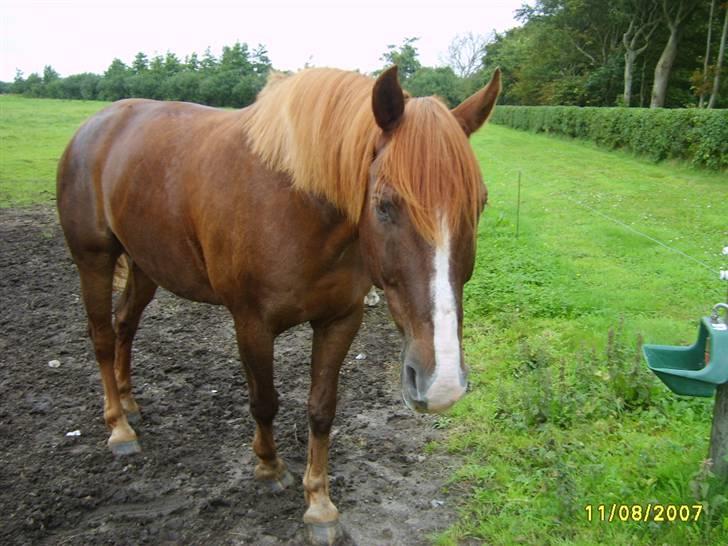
x=646 y=513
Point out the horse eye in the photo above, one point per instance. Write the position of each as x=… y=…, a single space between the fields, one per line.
x=385 y=211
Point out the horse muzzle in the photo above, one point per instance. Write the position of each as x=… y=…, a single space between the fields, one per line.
x=435 y=392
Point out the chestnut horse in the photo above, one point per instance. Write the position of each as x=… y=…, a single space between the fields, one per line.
x=284 y=212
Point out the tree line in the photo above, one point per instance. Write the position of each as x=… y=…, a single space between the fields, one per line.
x=618 y=53
x=233 y=79
x=657 y=53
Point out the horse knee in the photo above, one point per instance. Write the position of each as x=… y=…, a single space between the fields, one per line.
x=320 y=421
x=125 y=329
x=264 y=411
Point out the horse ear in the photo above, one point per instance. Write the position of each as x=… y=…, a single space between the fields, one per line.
x=474 y=111
x=388 y=99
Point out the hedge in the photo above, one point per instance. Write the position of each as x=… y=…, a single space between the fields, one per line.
x=697 y=136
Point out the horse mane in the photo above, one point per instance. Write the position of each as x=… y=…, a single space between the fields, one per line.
x=318 y=127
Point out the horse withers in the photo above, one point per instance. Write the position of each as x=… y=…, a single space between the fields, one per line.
x=285 y=212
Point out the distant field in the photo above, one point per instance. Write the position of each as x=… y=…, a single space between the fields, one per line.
x=33 y=135
x=562 y=413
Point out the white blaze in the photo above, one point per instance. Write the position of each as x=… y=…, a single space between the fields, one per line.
x=447 y=385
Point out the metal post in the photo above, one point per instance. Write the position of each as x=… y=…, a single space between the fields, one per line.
x=518 y=206
x=719 y=433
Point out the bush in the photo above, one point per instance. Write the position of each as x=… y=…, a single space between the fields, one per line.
x=599 y=385
x=697 y=136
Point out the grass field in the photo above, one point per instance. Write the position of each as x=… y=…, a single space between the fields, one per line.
x=562 y=414
x=33 y=135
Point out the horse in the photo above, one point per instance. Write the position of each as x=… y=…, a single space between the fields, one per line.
x=285 y=212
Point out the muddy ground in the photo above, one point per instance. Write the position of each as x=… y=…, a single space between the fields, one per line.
x=192 y=484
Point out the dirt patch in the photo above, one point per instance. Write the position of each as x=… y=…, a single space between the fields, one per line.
x=193 y=482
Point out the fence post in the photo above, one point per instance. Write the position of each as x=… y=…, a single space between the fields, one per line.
x=719 y=433
x=518 y=207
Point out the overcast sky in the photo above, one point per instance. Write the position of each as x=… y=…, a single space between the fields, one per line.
x=84 y=36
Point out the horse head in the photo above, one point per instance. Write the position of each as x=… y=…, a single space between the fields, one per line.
x=418 y=230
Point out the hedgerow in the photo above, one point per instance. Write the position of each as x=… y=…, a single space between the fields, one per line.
x=690 y=134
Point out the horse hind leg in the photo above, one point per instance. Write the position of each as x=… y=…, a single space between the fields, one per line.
x=96 y=270
x=138 y=291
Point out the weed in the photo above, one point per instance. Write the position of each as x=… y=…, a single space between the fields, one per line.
x=709 y=491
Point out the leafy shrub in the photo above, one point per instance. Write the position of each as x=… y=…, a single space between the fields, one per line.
x=698 y=136
x=597 y=386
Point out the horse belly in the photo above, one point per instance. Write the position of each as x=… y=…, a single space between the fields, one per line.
x=174 y=271
x=147 y=217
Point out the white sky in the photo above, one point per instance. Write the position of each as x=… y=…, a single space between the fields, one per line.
x=84 y=36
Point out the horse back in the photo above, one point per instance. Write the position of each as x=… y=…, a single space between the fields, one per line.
x=177 y=188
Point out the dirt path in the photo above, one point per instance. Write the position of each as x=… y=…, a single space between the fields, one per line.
x=193 y=482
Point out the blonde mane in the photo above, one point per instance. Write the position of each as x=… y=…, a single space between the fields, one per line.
x=318 y=126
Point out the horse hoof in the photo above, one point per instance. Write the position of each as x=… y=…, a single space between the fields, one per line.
x=121 y=449
x=279 y=485
x=325 y=534
x=134 y=417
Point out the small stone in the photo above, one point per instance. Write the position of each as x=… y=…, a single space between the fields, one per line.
x=436 y=503
x=73 y=433
x=361 y=356
x=54 y=364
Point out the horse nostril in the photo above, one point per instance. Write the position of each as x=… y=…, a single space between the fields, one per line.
x=411 y=376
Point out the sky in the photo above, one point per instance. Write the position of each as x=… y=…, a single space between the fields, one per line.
x=76 y=36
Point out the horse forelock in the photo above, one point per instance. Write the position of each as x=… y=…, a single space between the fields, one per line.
x=430 y=164
x=318 y=127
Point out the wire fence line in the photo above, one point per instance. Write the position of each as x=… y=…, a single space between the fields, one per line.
x=720 y=272
x=642 y=234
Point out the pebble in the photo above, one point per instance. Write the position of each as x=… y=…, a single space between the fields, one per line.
x=54 y=364
x=74 y=433
x=435 y=503
x=361 y=356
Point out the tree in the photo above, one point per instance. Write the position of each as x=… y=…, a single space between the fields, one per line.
x=34 y=85
x=706 y=60
x=183 y=86
x=192 y=62
x=79 y=86
x=172 y=64
x=719 y=63
x=642 y=24
x=49 y=74
x=465 y=54
x=675 y=14
x=405 y=57
x=260 y=60
x=209 y=62
x=140 y=63
x=113 y=86
x=19 y=84
x=236 y=58
x=441 y=81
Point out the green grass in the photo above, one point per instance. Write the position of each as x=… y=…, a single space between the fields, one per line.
x=562 y=414
x=33 y=135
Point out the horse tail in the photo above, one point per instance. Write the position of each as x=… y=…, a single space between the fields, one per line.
x=121 y=272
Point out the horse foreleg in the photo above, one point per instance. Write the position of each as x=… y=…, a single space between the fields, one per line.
x=255 y=343
x=331 y=341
